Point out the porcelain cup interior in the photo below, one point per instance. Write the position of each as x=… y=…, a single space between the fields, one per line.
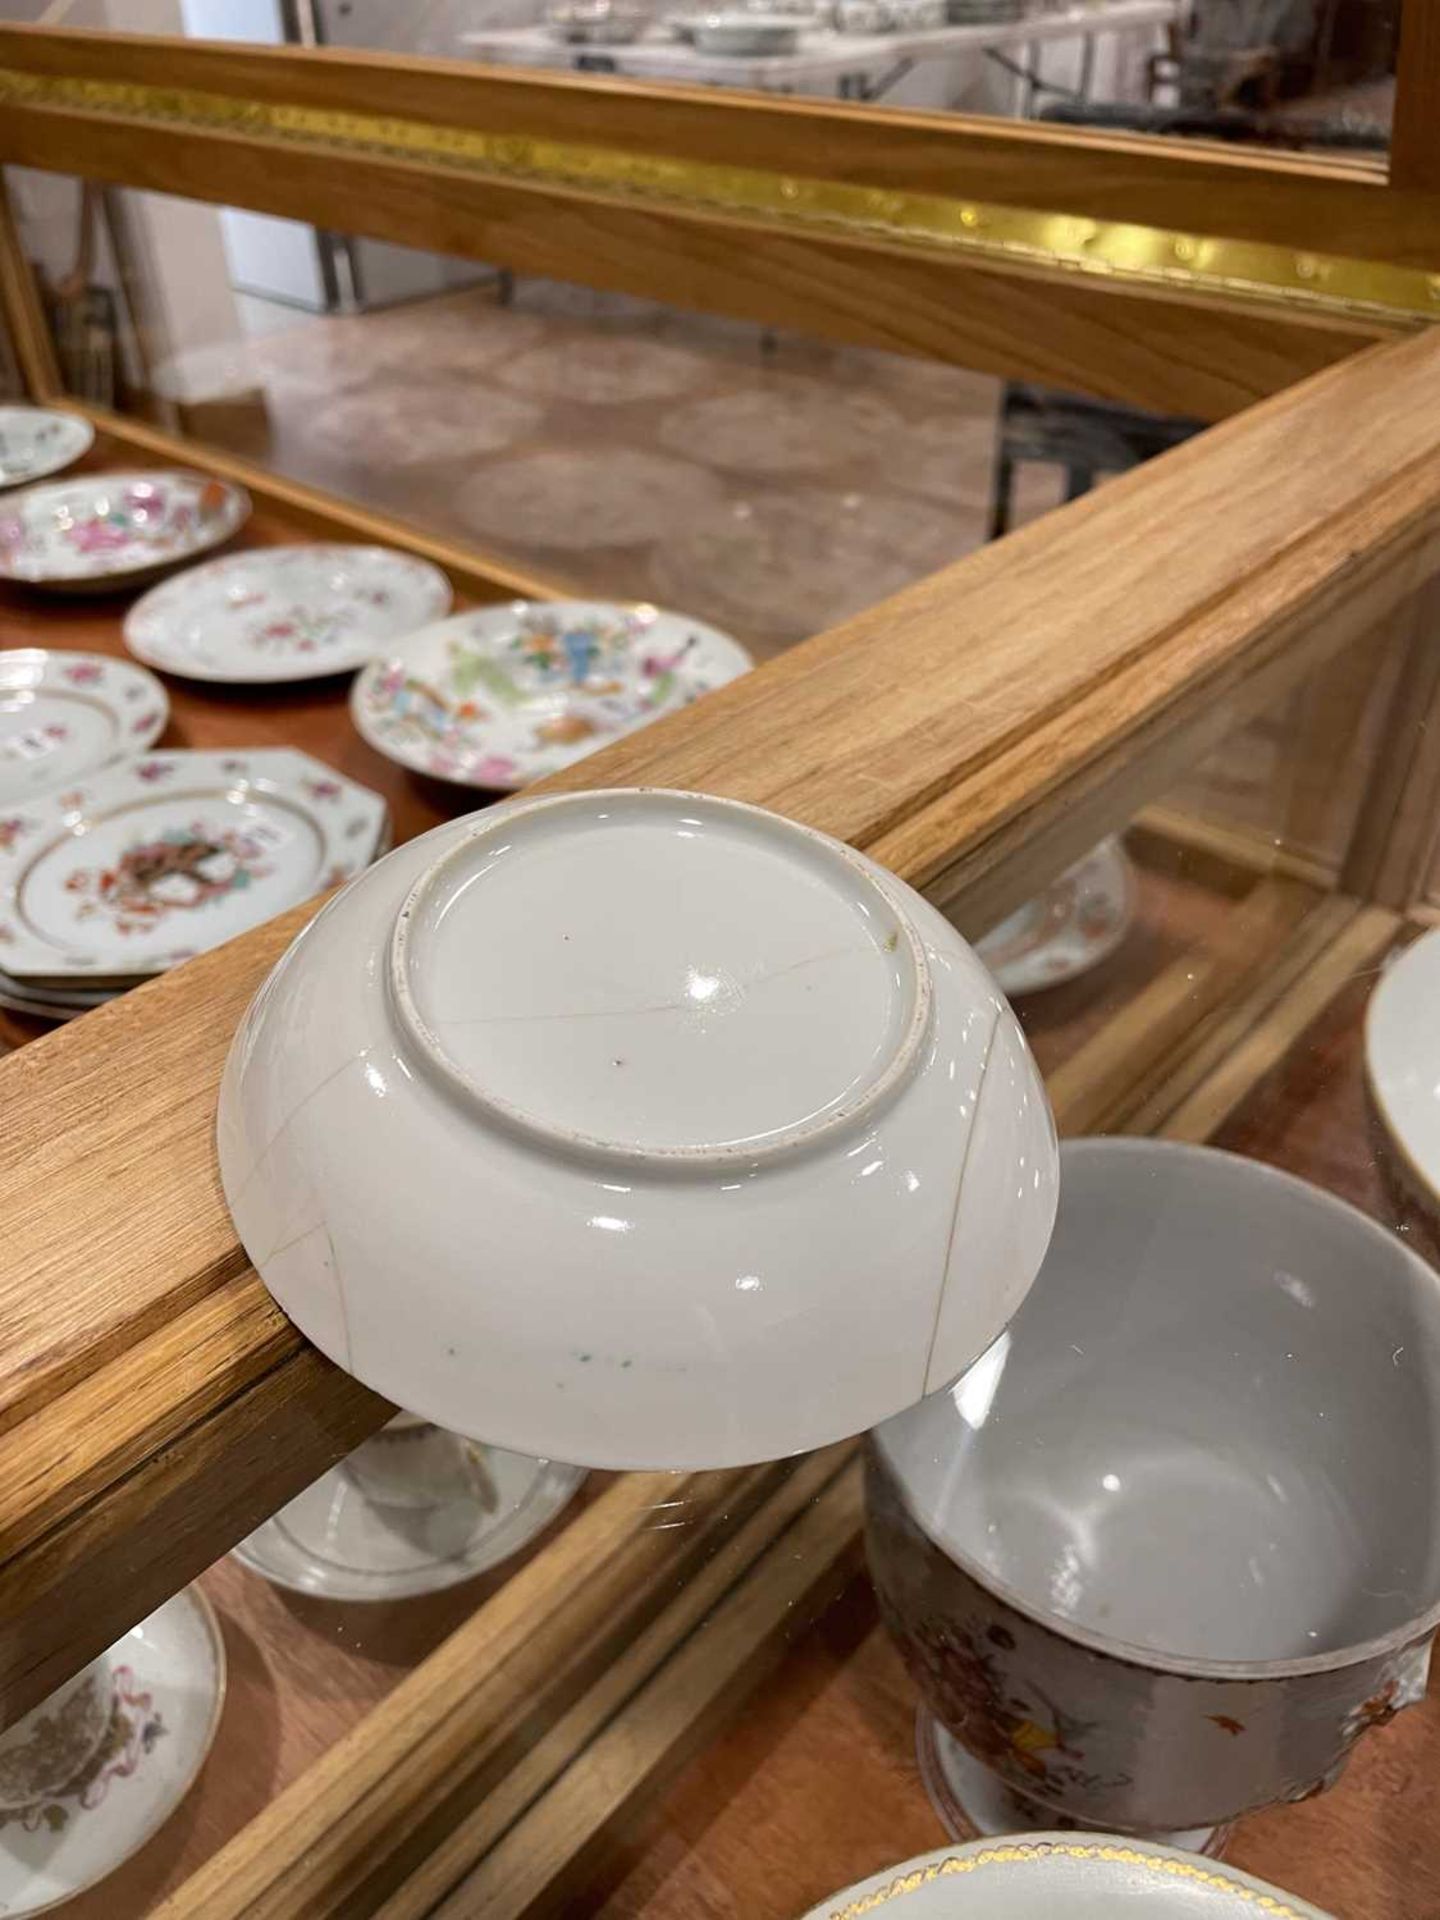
x=1207 y=1445
x=47 y=1748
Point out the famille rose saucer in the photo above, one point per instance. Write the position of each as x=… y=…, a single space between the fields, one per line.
x=284 y=613
x=66 y=715
x=157 y=859
x=1402 y=1060
x=35 y=441
x=106 y=530
x=409 y=1512
x=1077 y=922
x=1098 y=1876
x=506 y=695
x=168 y=1682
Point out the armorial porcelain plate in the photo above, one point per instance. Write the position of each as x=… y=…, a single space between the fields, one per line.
x=155 y=860
x=167 y=1678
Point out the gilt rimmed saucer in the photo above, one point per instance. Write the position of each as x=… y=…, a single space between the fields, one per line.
x=1074 y=925
x=503 y=696
x=274 y=614
x=64 y=716
x=162 y=857
x=350 y=1536
x=37 y=441
x=1083 y=1876
x=104 y=530
x=1402 y=1060
x=168 y=1677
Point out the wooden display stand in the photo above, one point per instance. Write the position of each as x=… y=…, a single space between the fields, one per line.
x=522 y=1747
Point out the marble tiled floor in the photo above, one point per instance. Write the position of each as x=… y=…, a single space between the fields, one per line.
x=772 y=485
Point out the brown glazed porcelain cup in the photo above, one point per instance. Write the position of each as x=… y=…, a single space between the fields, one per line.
x=1166 y=1550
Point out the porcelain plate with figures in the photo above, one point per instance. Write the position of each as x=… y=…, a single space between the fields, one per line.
x=168 y=1681
x=36 y=441
x=285 y=613
x=64 y=716
x=162 y=857
x=1083 y=1876
x=504 y=696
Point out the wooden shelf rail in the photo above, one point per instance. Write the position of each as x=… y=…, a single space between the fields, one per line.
x=974 y=732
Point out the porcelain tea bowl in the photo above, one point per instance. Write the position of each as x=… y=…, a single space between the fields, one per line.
x=1173 y=1543
x=638 y=1128
x=45 y=1749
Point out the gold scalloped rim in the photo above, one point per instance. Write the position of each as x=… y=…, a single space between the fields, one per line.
x=1025 y=1854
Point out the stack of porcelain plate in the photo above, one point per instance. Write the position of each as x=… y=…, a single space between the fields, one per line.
x=117 y=862
x=36 y=441
x=982 y=13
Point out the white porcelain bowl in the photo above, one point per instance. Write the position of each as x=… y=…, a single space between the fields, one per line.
x=638 y=1128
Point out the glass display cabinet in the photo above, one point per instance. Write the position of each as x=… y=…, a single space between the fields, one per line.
x=1168 y=752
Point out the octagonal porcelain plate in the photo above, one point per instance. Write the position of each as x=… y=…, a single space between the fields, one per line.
x=1080 y=1876
x=162 y=857
x=503 y=696
x=105 y=530
x=64 y=716
x=285 y=613
x=36 y=441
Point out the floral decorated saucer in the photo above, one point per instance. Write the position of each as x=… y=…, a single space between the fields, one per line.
x=1084 y=1876
x=504 y=696
x=167 y=1687
x=66 y=715
x=155 y=860
x=107 y=530
x=1077 y=922
x=35 y=441
x=411 y=1511
x=285 y=613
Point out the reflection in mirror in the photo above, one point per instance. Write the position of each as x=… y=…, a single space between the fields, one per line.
x=768 y=483
x=1310 y=74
